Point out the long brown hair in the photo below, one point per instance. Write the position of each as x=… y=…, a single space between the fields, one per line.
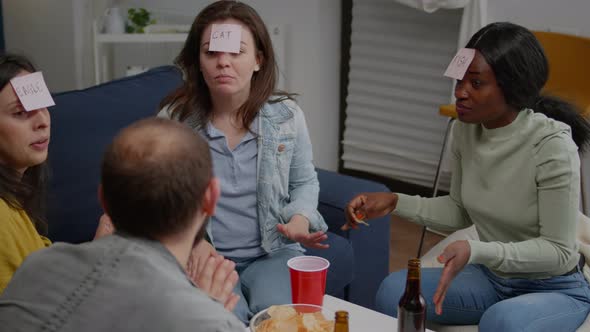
x=193 y=97
x=29 y=192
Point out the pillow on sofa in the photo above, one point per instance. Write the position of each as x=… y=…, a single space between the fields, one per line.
x=83 y=123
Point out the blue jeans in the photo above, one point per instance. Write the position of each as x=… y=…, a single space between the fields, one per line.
x=478 y=296
x=264 y=281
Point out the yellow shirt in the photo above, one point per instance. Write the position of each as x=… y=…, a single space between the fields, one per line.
x=18 y=238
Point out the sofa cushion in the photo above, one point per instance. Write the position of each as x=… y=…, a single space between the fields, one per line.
x=83 y=123
x=370 y=244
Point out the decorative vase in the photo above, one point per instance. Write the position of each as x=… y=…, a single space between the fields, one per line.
x=113 y=21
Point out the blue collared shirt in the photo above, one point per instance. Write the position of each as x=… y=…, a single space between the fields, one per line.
x=286 y=181
x=235 y=224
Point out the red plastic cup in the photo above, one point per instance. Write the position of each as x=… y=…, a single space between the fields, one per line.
x=308 y=279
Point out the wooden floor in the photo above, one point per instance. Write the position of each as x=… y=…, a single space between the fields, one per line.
x=405 y=238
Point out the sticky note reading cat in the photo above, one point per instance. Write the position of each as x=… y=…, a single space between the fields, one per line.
x=225 y=38
x=460 y=63
x=32 y=91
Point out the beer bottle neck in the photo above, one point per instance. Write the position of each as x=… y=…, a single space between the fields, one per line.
x=341 y=321
x=413 y=279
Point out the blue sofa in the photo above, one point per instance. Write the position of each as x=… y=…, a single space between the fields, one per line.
x=85 y=121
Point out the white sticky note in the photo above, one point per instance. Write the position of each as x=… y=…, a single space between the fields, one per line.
x=32 y=91
x=460 y=63
x=225 y=38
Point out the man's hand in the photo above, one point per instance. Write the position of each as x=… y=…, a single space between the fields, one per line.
x=199 y=256
x=218 y=278
x=454 y=257
x=297 y=229
x=367 y=206
x=105 y=227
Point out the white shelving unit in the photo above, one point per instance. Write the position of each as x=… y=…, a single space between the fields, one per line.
x=142 y=38
x=101 y=40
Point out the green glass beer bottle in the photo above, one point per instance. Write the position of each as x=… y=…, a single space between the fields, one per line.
x=411 y=311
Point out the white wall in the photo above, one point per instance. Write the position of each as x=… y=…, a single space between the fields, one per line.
x=44 y=38
x=312 y=66
x=312 y=60
x=61 y=44
x=570 y=16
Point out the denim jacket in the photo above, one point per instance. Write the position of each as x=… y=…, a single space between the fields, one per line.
x=287 y=182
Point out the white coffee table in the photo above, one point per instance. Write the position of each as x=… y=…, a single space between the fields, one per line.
x=361 y=319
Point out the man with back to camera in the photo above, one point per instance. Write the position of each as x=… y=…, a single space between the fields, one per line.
x=158 y=188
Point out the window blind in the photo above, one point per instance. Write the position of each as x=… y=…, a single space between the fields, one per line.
x=397 y=59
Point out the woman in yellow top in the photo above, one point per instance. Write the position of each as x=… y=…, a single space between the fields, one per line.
x=24 y=138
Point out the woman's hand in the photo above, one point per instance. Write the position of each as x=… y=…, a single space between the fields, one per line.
x=218 y=278
x=454 y=257
x=297 y=229
x=105 y=227
x=367 y=206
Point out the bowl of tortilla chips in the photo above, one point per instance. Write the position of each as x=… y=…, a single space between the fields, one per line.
x=293 y=318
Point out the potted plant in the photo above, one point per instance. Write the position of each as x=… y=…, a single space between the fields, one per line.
x=137 y=20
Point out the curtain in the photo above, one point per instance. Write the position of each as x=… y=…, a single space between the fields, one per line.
x=397 y=59
x=430 y=6
x=474 y=13
x=474 y=17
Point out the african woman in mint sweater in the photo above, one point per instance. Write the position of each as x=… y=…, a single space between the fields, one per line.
x=516 y=177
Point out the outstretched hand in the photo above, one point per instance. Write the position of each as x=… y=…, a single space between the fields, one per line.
x=297 y=229
x=455 y=256
x=368 y=206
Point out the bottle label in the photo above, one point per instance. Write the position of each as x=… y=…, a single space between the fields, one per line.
x=411 y=321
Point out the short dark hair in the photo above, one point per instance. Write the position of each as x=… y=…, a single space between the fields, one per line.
x=521 y=69
x=29 y=192
x=154 y=176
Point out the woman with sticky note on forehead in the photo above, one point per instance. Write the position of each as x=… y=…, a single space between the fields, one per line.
x=25 y=127
x=516 y=177
x=24 y=139
x=261 y=152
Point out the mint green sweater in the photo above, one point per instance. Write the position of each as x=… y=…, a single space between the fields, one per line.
x=520 y=186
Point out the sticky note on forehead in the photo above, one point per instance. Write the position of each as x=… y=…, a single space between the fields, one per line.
x=32 y=91
x=460 y=63
x=225 y=38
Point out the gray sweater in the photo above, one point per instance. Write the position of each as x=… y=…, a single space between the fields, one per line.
x=117 y=283
x=520 y=186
